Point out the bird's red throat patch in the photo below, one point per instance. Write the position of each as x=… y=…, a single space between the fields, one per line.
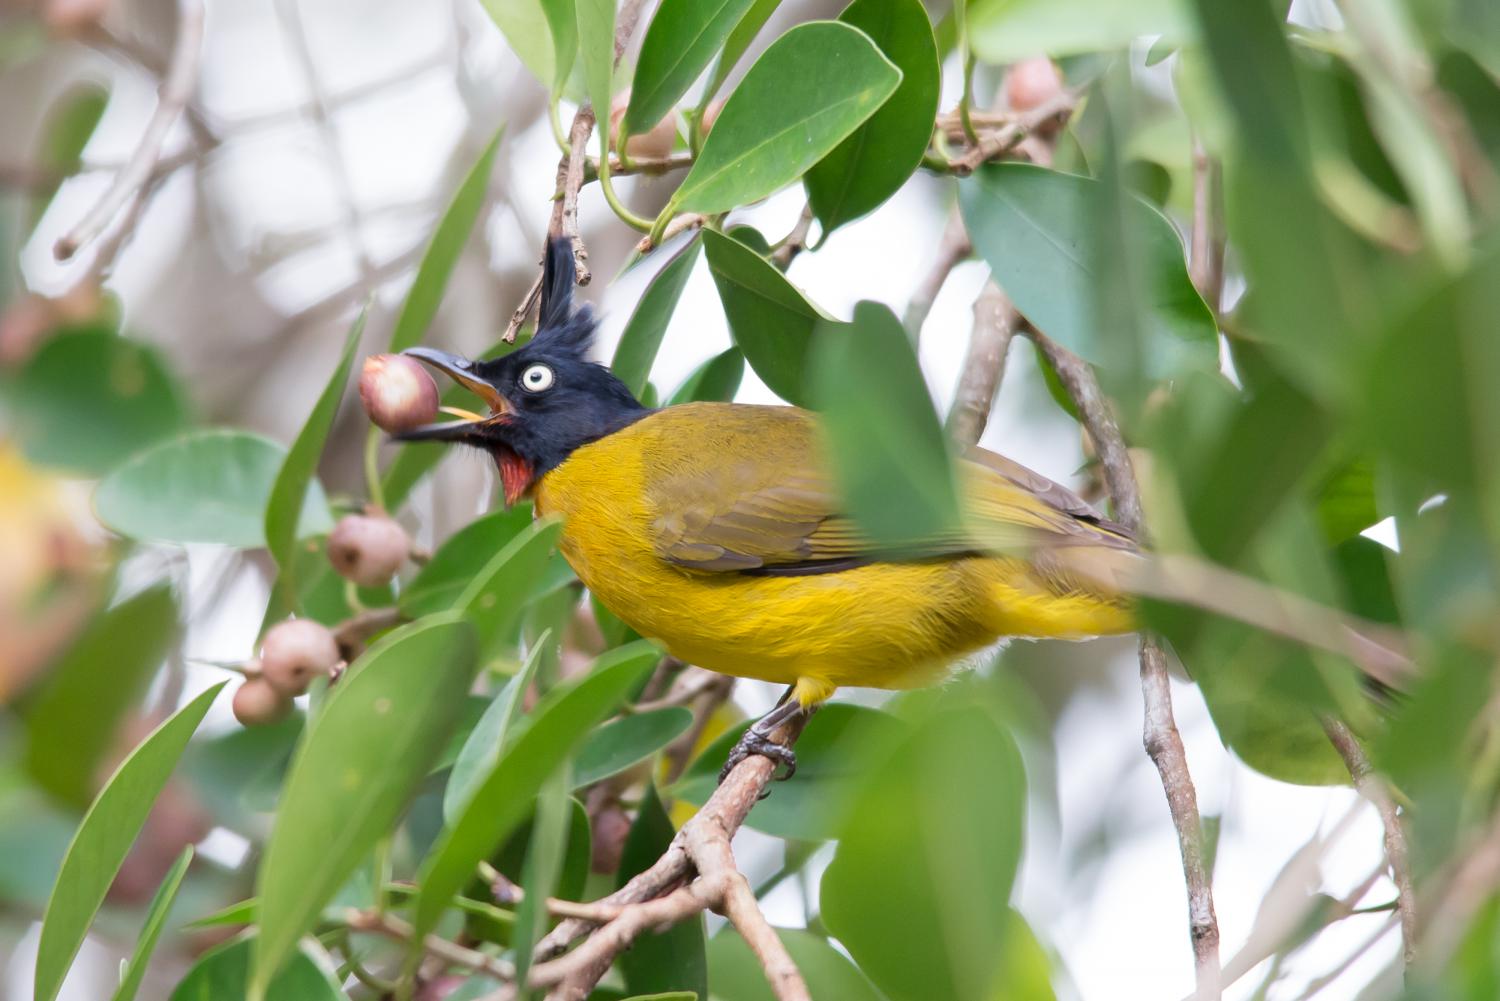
x=516 y=475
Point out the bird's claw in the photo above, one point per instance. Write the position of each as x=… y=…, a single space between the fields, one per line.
x=753 y=743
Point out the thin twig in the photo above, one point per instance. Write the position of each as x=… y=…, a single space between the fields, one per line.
x=952 y=249
x=449 y=952
x=1206 y=260
x=1005 y=138
x=795 y=241
x=175 y=92
x=1374 y=789
x=352 y=634
x=995 y=323
x=1162 y=740
x=679 y=224
x=1316 y=987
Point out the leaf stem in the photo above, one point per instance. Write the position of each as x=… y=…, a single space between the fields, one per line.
x=628 y=217
x=372 y=469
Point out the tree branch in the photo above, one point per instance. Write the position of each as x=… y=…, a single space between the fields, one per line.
x=995 y=324
x=952 y=249
x=1206 y=256
x=175 y=92
x=1008 y=136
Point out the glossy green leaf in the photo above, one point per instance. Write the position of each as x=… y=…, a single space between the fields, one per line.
x=1003 y=31
x=89 y=398
x=562 y=22
x=524 y=23
x=739 y=40
x=495 y=729
x=636 y=352
x=617 y=745
x=737 y=975
x=943 y=853
x=462 y=555
x=666 y=960
x=545 y=852
x=682 y=38
x=224 y=973
x=374 y=740
x=556 y=728
x=206 y=486
x=290 y=491
x=1037 y=230
x=494 y=598
x=104 y=838
x=717 y=379
x=70 y=124
x=886 y=445
x=831 y=758
x=772 y=322
x=156 y=920
x=813 y=87
x=595 y=20
x=73 y=721
x=872 y=164
x=443 y=251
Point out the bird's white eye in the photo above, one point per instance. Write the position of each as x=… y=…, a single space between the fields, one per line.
x=537 y=378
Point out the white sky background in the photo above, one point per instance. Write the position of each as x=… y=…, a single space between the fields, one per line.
x=1121 y=931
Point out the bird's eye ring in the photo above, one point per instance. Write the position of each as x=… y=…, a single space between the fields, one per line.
x=537 y=378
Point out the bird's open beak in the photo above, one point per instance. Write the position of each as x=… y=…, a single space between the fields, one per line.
x=464 y=372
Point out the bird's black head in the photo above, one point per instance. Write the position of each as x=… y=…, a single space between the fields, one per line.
x=546 y=398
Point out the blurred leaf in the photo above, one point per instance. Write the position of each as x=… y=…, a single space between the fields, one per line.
x=716 y=379
x=831 y=758
x=1004 y=31
x=495 y=729
x=739 y=40
x=772 y=322
x=89 y=398
x=555 y=729
x=104 y=838
x=804 y=96
x=354 y=772
x=737 y=975
x=493 y=600
x=943 y=853
x=562 y=22
x=241 y=913
x=525 y=25
x=224 y=972
x=290 y=491
x=618 y=744
x=544 y=860
x=156 y=919
x=636 y=352
x=595 y=20
x=671 y=959
x=70 y=124
x=1363 y=568
x=1478 y=94
x=205 y=486
x=1346 y=501
x=1037 y=230
x=682 y=38
x=34 y=834
x=462 y=555
x=873 y=163
x=72 y=723
x=885 y=442
x=228 y=771
x=443 y=251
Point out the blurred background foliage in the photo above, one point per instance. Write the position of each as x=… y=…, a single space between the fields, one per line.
x=1269 y=227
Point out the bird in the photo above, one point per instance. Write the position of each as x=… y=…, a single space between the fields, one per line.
x=717 y=530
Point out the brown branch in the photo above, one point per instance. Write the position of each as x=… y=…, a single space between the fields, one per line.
x=1009 y=135
x=392 y=927
x=1206 y=260
x=1162 y=740
x=995 y=323
x=952 y=249
x=352 y=634
x=795 y=241
x=678 y=224
x=176 y=90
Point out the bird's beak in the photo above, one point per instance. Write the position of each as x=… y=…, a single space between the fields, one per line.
x=464 y=372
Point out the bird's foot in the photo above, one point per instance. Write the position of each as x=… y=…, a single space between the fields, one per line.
x=756 y=742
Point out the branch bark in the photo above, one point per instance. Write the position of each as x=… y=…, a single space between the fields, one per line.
x=1008 y=136
x=995 y=324
x=952 y=249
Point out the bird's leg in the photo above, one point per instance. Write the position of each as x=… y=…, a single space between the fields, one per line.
x=757 y=739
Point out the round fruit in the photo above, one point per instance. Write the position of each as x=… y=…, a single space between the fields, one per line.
x=711 y=114
x=368 y=548
x=257 y=703
x=295 y=652
x=1032 y=83
x=398 y=393
x=652 y=144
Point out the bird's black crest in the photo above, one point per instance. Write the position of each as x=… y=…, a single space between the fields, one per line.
x=559 y=326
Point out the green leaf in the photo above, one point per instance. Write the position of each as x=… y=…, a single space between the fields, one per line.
x=156 y=919
x=1037 y=230
x=806 y=93
x=206 y=486
x=525 y=25
x=224 y=973
x=103 y=839
x=717 y=379
x=944 y=854
x=558 y=725
x=544 y=860
x=739 y=40
x=289 y=493
x=737 y=975
x=89 y=398
x=673 y=959
x=494 y=598
x=72 y=723
x=872 y=164
x=595 y=20
x=617 y=745
x=682 y=38
x=495 y=729
x=443 y=251
x=830 y=763
x=354 y=771
x=70 y=124
x=1003 y=31
x=887 y=447
x=453 y=566
x=772 y=322
x=641 y=340
x=563 y=24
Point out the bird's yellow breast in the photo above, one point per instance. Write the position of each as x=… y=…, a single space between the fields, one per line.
x=883 y=625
